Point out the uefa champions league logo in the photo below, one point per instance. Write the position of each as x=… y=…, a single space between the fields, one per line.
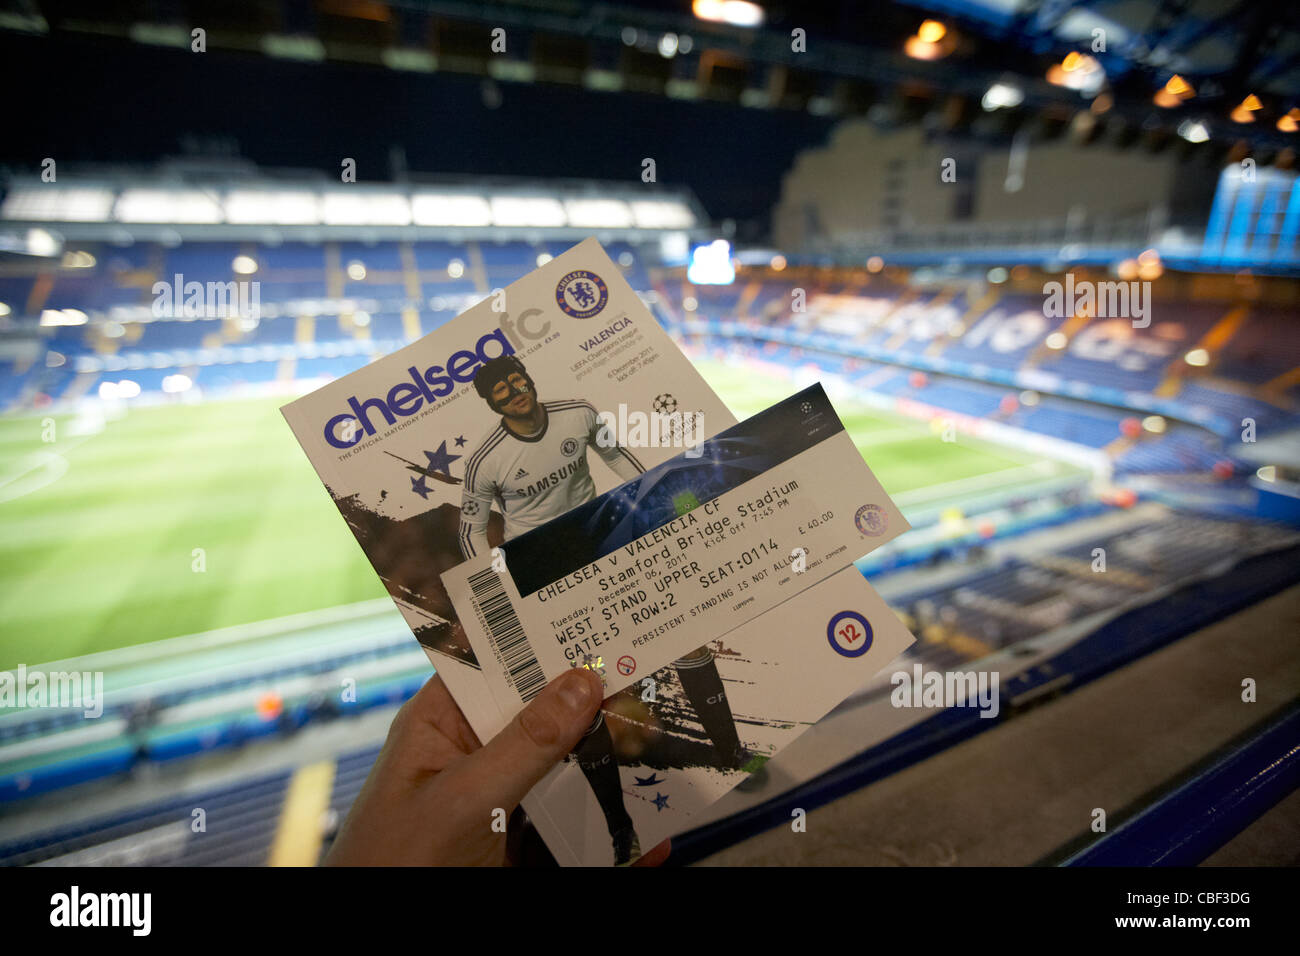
x=581 y=294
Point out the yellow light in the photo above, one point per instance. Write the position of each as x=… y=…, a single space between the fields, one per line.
x=1148 y=255
x=1071 y=61
x=1244 y=113
x=919 y=49
x=1128 y=269
x=778 y=263
x=1056 y=75
x=875 y=264
x=1166 y=100
x=931 y=31
x=1290 y=121
x=1198 y=357
x=740 y=13
x=1150 y=270
x=1177 y=86
x=1154 y=424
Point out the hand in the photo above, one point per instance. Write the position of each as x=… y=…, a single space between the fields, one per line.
x=431 y=796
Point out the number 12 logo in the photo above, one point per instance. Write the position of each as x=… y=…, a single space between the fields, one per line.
x=849 y=634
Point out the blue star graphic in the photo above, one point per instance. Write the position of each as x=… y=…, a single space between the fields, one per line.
x=649 y=781
x=660 y=800
x=420 y=488
x=440 y=460
x=460 y=441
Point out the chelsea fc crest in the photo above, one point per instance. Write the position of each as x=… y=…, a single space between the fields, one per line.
x=581 y=294
x=569 y=447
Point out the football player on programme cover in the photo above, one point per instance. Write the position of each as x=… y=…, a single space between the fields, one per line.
x=533 y=465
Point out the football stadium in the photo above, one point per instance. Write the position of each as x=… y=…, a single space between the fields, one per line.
x=1043 y=258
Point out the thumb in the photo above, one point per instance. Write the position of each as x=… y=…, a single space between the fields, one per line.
x=537 y=739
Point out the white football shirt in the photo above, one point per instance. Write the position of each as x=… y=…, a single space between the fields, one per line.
x=537 y=478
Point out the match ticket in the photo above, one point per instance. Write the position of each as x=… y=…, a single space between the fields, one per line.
x=686 y=552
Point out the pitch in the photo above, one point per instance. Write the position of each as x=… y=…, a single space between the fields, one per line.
x=178 y=519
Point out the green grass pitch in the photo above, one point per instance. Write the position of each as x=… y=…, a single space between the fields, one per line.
x=100 y=553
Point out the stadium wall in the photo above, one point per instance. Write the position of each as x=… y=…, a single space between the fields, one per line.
x=866 y=180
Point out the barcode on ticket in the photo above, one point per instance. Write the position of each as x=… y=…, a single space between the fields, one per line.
x=507 y=634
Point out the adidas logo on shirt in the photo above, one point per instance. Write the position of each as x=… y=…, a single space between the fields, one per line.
x=520 y=473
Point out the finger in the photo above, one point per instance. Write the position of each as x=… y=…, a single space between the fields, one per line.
x=441 y=709
x=425 y=736
x=540 y=735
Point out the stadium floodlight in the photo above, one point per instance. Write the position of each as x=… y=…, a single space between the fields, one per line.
x=1155 y=424
x=450 y=209
x=1289 y=121
x=357 y=208
x=738 y=13
x=356 y=270
x=711 y=264
x=42 y=243
x=1056 y=341
x=127 y=388
x=173 y=384
x=1002 y=95
x=598 y=213
x=244 y=265
x=539 y=211
x=455 y=268
x=662 y=214
x=4 y=308
x=77 y=259
x=1267 y=473
x=931 y=31
x=53 y=317
x=1193 y=131
x=167 y=205
x=273 y=207
x=58 y=204
x=1198 y=357
x=543 y=258
x=1246 y=110
x=1078 y=71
